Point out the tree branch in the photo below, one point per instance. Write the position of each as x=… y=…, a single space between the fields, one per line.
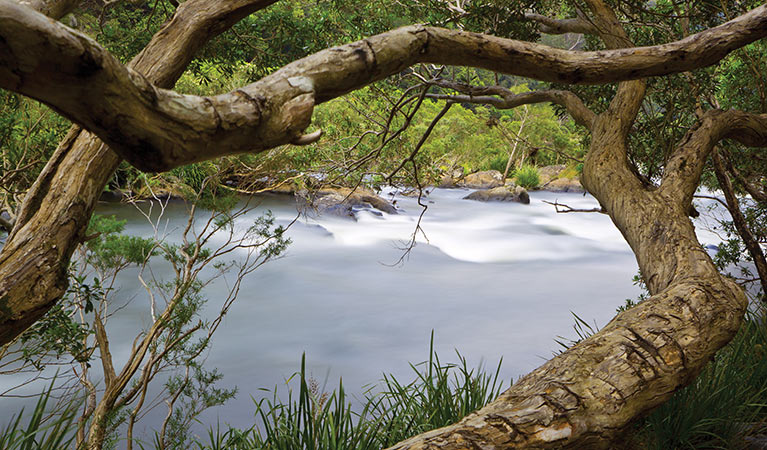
x=739 y=220
x=157 y=130
x=508 y=100
x=55 y=9
x=684 y=168
x=756 y=193
x=561 y=26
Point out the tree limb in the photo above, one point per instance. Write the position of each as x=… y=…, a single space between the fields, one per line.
x=55 y=9
x=684 y=168
x=561 y=26
x=55 y=212
x=756 y=193
x=739 y=220
x=508 y=100
x=158 y=130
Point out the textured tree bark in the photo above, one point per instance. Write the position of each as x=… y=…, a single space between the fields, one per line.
x=586 y=396
x=157 y=130
x=55 y=9
x=580 y=399
x=57 y=208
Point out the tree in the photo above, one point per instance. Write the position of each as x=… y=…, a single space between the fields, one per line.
x=581 y=398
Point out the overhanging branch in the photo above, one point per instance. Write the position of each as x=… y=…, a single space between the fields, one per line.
x=549 y=25
x=684 y=168
x=502 y=98
x=157 y=130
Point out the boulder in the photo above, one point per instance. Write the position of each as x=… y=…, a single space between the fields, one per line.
x=563 y=185
x=344 y=201
x=451 y=178
x=487 y=179
x=501 y=194
x=548 y=173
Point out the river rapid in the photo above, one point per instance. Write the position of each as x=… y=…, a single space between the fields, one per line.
x=491 y=280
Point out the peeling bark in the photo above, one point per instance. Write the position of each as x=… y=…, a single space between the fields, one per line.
x=582 y=398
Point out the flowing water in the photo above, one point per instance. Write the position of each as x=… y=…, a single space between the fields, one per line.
x=491 y=280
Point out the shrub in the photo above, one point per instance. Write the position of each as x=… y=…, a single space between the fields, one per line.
x=527 y=177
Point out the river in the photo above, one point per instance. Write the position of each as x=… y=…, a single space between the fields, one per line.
x=491 y=280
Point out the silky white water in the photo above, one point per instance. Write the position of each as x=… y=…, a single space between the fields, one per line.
x=491 y=280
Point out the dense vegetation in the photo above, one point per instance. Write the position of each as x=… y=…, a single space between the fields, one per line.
x=367 y=135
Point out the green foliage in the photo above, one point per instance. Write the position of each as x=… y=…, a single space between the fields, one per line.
x=109 y=249
x=29 y=133
x=527 y=177
x=42 y=431
x=717 y=409
x=439 y=395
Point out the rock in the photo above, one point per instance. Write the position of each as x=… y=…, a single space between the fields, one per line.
x=501 y=194
x=563 y=185
x=451 y=178
x=344 y=202
x=548 y=173
x=483 y=180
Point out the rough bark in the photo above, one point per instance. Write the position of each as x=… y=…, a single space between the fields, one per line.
x=55 y=9
x=155 y=129
x=57 y=208
x=580 y=399
x=586 y=396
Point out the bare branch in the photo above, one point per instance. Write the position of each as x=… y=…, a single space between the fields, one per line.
x=563 y=208
x=157 y=130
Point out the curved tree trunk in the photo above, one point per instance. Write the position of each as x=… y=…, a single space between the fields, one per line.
x=581 y=398
x=585 y=397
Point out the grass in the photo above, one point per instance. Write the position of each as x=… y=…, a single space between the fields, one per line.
x=726 y=402
x=41 y=431
x=439 y=395
x=717 y=411
x=527 y=177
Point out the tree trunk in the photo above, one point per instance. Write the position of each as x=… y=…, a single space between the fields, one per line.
x=586 y=396
x=582 y=398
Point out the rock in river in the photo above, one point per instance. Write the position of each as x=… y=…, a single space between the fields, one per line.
x=501 y=194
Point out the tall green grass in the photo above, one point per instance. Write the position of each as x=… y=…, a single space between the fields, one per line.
x=527 y=176
x=439 y=395
x=727 y=402
x=41 y=431
x=724 y=405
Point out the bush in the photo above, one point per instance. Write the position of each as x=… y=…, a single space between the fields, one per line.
x=527 y=177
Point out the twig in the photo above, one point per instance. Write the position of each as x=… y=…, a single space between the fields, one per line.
x=569 y=209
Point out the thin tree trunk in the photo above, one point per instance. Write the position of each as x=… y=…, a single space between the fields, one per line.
x=733 y=206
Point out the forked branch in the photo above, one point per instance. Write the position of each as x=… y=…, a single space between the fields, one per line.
x=156 y=130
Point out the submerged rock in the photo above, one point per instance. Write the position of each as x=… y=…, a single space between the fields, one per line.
x=344 y=202
x=487 y=179
x=501 y=194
